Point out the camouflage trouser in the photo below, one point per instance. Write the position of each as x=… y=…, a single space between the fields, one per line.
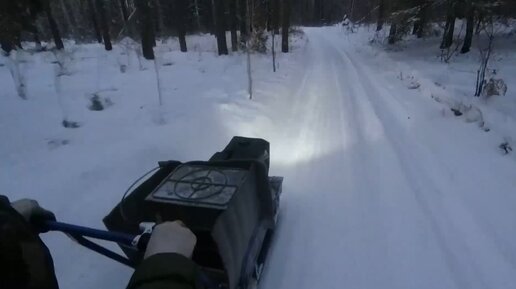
x=25 y=261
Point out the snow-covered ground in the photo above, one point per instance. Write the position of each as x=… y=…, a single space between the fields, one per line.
x=383 y=187
x=418 y=62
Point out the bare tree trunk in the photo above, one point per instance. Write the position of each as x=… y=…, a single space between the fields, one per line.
x=244 y=26
x=93 y=17
x=124 y=10
x=213 y=18
x=233 y=24
x=70 y=21
x=450 y=26
x=146 y=28
x=285 y=26
x=158 y=83
x=393 y=37
x=485 y=55
x=273 y=51
x=14 y=65
x=220 y=27
x=259 y=15
x=479 y=23
x=470 y=27
x=276 y=15
x=352 y=11
x=381 y=15
x=268 y=11
x=7 y=46
x=250 y=17
x=53 y=26
x=37 y=40
x=423 y=18
x=158 y=18
x=180 y=11
x=448 y=33
x=197 y=15
x=104 y=23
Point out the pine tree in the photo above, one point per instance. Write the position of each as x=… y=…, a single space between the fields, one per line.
x=244 y=25
x=470 y=26
x=104 y=24
x=275 y=16
x=146 y=28
x=220 y=27
x=381 y=15
x=53 y=25
x=124 y=10
x=180 y=11
x=285 y=9
x=450 y=26
x=93 y=18
x=233 y=23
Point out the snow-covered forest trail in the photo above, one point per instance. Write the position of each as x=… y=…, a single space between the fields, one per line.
x=381 y=191
x=384 y=188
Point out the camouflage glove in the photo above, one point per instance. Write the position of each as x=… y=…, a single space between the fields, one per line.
x=24 y=258
x=33 y=213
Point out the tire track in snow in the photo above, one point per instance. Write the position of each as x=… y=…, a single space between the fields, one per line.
x=363 y=120
x=422 y=186
x=455 y=227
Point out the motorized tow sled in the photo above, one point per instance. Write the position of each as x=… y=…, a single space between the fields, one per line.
x=229 y=202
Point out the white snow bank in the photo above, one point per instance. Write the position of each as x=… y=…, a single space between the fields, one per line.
x=81 y=173
x=417 y=63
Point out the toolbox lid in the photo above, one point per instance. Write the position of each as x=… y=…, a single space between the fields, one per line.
x=199 y=186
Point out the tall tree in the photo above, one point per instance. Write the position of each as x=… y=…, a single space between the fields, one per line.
x=179 y=15
x=352 y=10
x=450 y=25
x=381 y=15
x=104 y=24
x=146 y=27
x=233 y=23
x=220 y=27
x=94 y=21
x=53 y=25
x=69 y=18
x=275 y=16
x=213 y=13
x=197 y=14
x=124 y=10
x=15 y=17
x=244 y=26
x=259 y=14
x=285 y=25
x=158 y=17
x=470 y=27
x=422 y=18
x=393 y=33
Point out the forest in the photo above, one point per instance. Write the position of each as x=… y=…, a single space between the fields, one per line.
x=108 y=21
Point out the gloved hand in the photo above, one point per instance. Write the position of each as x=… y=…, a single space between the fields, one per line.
x=26 y=261
x=171 y=237
x=33 y=213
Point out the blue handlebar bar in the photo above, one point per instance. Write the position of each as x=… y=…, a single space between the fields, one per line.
x=120 y=238
x=79 y=234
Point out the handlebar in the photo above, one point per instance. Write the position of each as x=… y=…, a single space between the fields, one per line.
x=80 y=235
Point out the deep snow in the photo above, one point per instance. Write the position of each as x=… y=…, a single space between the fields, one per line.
x=382 y=189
